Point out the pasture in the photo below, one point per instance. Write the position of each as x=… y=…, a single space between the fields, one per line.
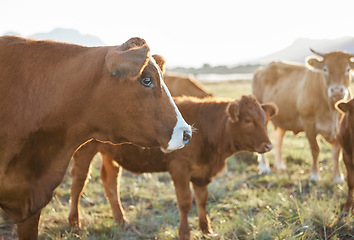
x=242 y=204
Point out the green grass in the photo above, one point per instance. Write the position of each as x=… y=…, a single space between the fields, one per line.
x=242 y=204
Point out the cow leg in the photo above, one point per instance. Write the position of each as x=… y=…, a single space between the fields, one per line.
x=348 y=161
x=79 y=174
x=110 y=174
x=201 y=197
x=337 y=175
x=315 y=151
x=28 y=229
x=279 y=162
x=180 y=176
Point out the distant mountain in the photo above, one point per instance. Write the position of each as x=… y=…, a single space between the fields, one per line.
x=70 y=36
x=300 y=49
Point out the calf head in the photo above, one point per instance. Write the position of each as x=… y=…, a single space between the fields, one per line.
x=335 y=67
x=247 y=124
x=133 y=104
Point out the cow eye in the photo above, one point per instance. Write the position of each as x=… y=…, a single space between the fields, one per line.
x=325 y=69
x=247 y=120
x=146 y=82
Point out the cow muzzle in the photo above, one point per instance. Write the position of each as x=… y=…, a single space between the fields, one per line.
x=265 y=147
x=338 y=92
x=180 y=137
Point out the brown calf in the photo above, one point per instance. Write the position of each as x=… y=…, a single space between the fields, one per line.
x=346 y=139
x=55 y=97
x=223 y=128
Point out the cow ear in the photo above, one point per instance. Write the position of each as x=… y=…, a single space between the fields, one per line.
x=342 y=106
x=128 y=60
x=233 y=109
x=314 y=64
x=270 y=110
x=160 y=61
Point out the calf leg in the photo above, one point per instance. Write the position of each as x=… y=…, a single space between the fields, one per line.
x=79 y=174
x=337 y=175
x=349 y=164
x=279 y=162
x=110 y=174
x=201 y=197
x=28 y=230
x=180 y=176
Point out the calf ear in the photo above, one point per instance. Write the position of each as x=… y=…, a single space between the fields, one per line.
x=160 y=61
x=233 y=109
x=128 y=60
x=314 y=64
x=270 y=110
x=342 y=106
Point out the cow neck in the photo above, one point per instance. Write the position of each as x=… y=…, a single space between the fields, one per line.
x=315 y=88
x=212 y=125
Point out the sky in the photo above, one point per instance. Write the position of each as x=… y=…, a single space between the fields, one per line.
x=188 y=33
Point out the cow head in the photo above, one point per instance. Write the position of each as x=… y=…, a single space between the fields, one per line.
x=348 y=109
x=247 y=124
x=335 y=67
x=134 y=102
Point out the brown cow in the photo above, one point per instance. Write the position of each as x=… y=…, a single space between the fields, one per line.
x=223 y=128
x=346 y=139
x=55 y=97
x=184 y=85
x=305 y=98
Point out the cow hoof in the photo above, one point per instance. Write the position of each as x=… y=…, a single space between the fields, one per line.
x=338 y=179
x=314 y=177
x=281 y=166
x=264 y=170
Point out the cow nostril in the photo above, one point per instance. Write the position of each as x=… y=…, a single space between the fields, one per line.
x=187 y=135
x=268 y=147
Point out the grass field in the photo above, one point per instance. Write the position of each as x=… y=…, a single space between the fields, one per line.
x=242 y=204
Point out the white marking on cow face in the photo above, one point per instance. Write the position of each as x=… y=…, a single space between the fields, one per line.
x=182 y=132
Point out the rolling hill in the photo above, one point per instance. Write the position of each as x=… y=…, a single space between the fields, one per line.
x=300 y=49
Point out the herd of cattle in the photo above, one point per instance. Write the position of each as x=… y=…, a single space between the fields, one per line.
x=62 y=101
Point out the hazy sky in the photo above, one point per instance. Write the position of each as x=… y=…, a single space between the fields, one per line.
x=188 y=32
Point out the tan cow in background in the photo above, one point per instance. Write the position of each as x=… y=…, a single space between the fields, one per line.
x=306 y=97
x=184 y=85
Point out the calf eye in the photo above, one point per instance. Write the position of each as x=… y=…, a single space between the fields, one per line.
x=146 y=82
x=247 y=120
